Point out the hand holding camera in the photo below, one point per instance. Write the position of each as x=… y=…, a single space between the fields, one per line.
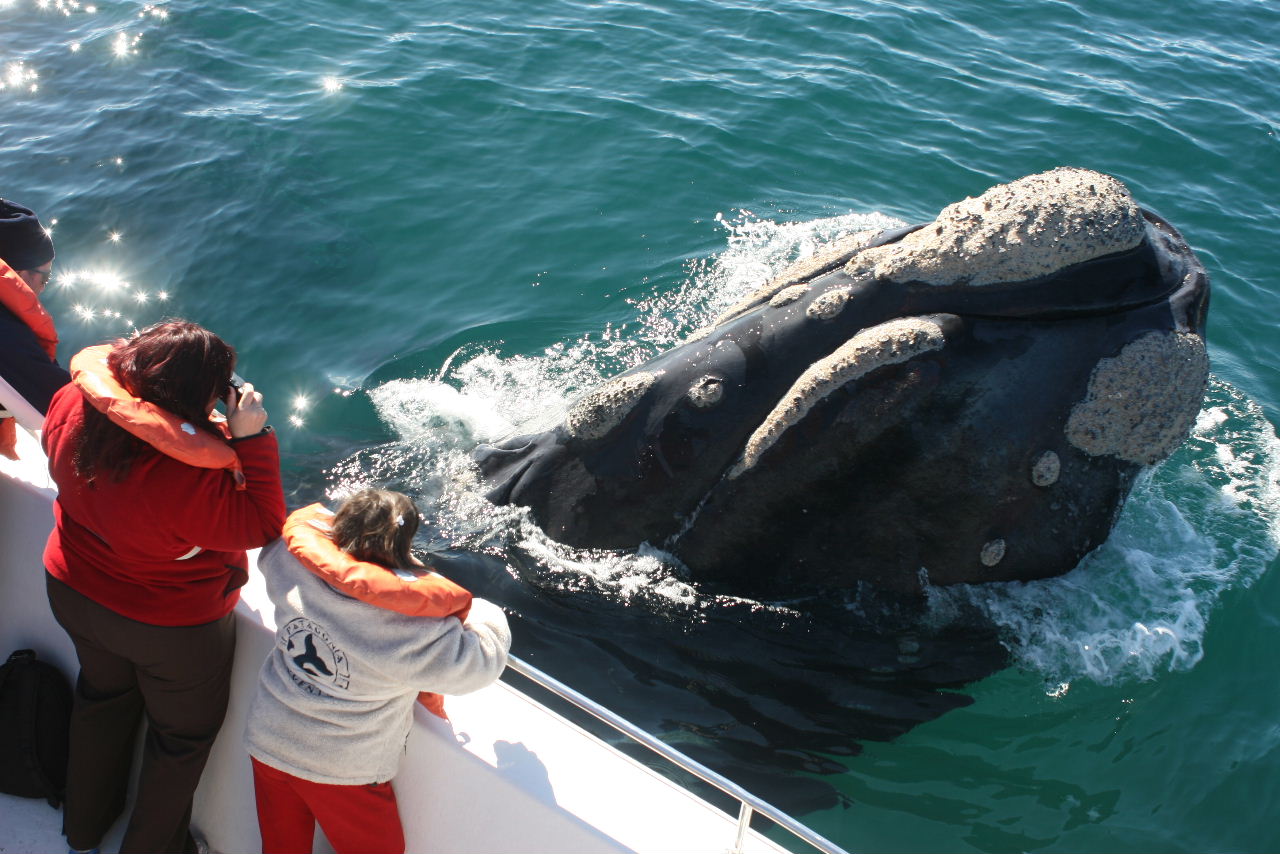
x=245 y=413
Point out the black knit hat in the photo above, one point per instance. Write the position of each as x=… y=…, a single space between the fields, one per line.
x=24 y=244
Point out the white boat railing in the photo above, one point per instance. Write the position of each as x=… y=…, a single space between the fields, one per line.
x=748 y=803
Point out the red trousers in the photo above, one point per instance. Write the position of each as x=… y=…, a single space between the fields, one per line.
x=355 y=819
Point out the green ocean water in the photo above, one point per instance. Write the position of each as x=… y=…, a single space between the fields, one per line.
x=424 y=224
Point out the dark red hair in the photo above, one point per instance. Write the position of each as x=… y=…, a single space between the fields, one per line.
x=179 y=366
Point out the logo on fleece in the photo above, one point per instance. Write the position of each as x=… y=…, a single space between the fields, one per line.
x=307 y=644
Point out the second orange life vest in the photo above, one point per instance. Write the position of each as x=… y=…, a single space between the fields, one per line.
x=18 y=297
x=307 y=534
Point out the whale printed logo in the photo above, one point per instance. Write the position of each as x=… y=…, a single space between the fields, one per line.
x=309 y=649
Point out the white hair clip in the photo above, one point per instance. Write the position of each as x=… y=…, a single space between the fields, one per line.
x=400 y=521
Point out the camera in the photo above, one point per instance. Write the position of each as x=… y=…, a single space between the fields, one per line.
x=234 y=388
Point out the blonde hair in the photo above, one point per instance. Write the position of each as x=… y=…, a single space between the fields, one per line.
x=377 y=525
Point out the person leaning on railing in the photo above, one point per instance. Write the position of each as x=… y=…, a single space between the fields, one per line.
x=29 y=370
x=158 y=500
x=363 y=629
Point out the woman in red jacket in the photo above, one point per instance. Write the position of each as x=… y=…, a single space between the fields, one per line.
x=158 y=499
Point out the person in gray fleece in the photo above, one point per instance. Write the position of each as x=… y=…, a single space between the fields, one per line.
x=334 y=703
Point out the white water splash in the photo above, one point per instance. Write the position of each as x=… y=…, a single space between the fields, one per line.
x=430 y=412
x=756 y=251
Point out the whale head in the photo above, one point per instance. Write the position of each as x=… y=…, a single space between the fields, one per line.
x=962 y=401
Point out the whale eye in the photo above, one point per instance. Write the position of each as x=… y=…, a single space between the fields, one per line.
x=706 y=392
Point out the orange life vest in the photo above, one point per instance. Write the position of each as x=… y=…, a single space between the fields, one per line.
x=307 y=534
x=167 y=433
x=17 y=296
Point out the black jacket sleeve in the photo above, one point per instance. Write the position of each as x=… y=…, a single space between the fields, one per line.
x=25 y=365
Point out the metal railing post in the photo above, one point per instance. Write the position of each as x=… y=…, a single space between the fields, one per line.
x=744 y=822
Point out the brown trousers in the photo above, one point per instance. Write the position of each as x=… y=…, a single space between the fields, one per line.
x=180 y=676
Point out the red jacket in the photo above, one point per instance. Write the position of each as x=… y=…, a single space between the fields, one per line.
x=121 y=543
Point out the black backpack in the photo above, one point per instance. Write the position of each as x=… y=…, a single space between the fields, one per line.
x=35 y=720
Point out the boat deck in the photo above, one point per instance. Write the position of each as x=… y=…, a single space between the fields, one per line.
x=505 y=774
x=31 y=826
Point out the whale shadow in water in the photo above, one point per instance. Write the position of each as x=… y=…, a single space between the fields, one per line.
x=773 y=697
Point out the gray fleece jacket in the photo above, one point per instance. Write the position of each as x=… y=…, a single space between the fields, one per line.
x=335 y=698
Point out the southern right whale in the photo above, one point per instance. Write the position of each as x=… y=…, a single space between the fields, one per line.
x=963 y=401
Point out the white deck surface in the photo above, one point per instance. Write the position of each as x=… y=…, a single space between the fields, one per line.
x=28 y=825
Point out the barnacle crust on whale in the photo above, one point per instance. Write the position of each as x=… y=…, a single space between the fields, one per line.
x=828 y=305
x=786 y=296
x=1046 y=468
x=1031 y=227
x=603 y=409
x=1142 y=403
x=992 y=553
x=886 y=344
x=832 y=256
